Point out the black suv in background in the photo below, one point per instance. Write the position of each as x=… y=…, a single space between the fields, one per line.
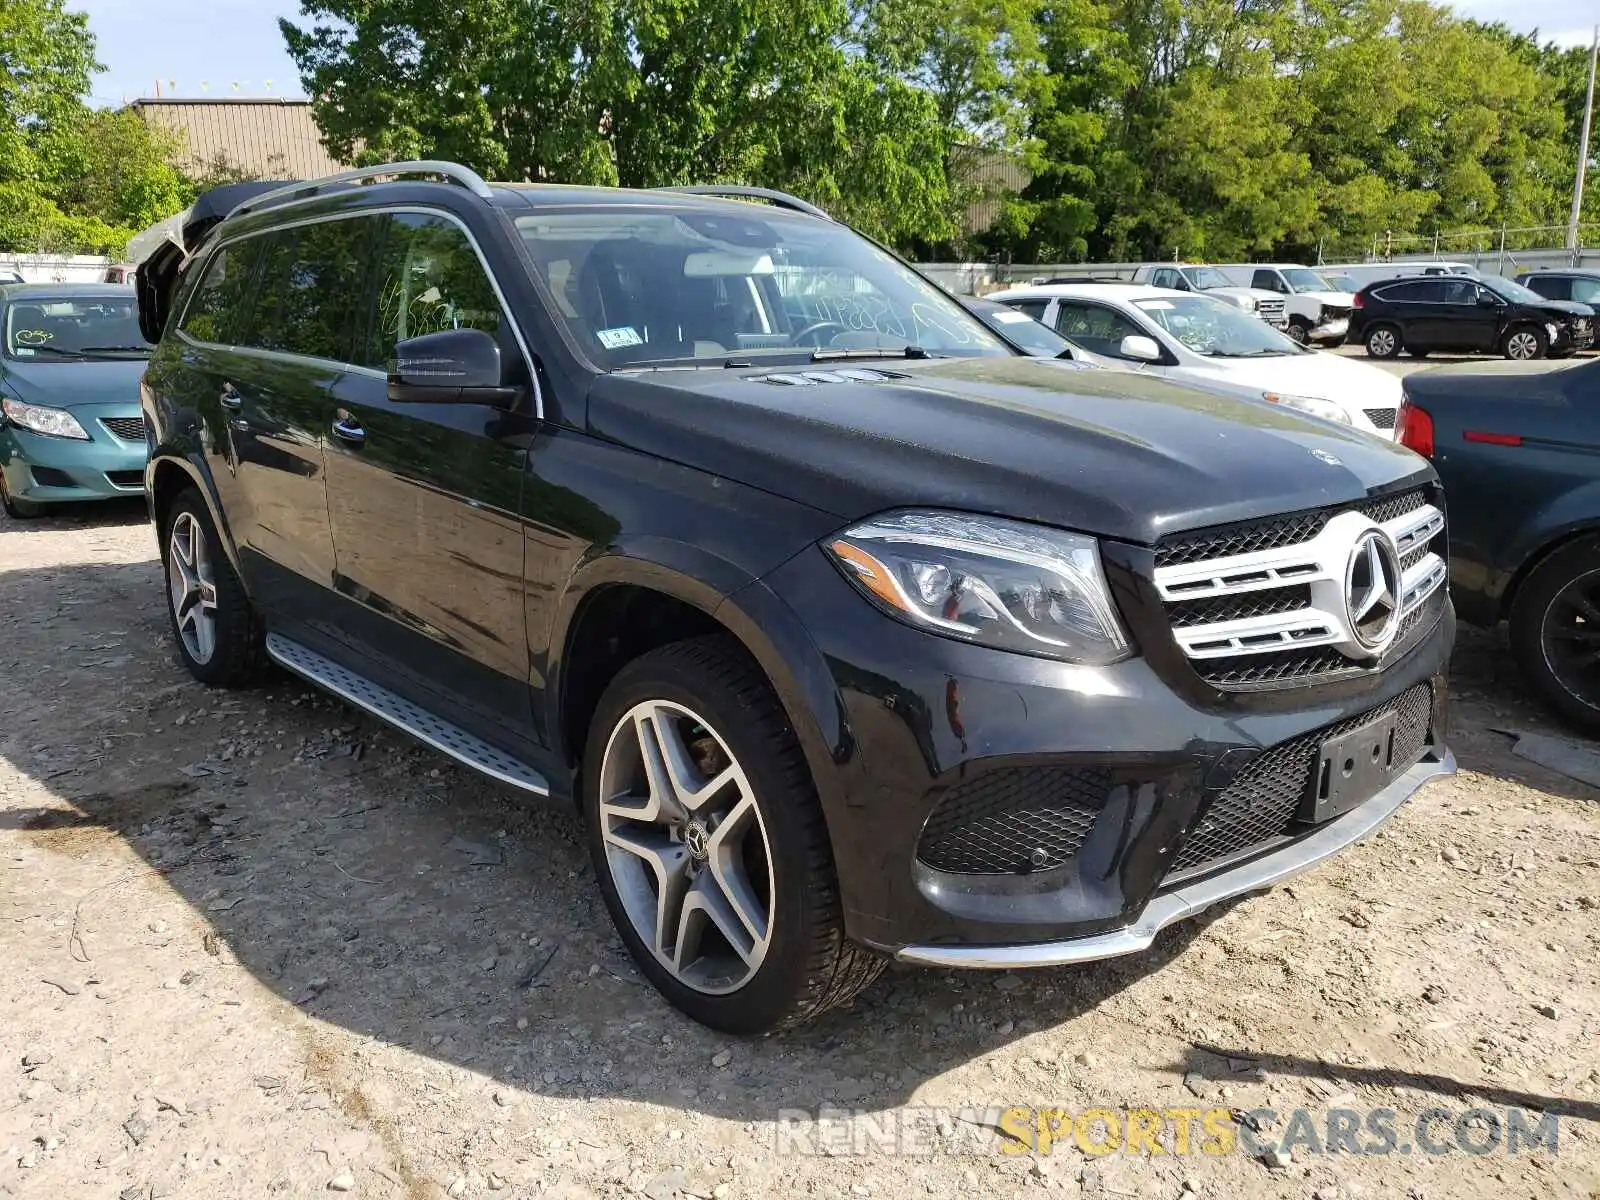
x=1582 y=286
x=849 y=630
x=1421 y=314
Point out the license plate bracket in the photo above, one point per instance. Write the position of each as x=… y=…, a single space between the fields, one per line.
x=1350 y=769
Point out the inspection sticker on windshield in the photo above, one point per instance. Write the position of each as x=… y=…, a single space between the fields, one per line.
x=622 y=335
x=1011 y=318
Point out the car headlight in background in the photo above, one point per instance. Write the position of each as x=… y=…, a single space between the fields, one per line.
x=1326 y=409
x=36 y=418
x=1003 y=584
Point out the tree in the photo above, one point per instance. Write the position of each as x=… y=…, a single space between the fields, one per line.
x=634 y=92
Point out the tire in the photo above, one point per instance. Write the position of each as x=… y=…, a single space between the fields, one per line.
x=713 y=702
x=1299 y=331
x=1544 y=608
x=1383 y=341
x=20 y=510
x=1524 y=343
x=234 y=654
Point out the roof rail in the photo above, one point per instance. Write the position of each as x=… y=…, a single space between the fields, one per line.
x=452 y=172
x=740 y=192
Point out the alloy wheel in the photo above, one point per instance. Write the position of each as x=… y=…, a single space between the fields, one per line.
x=1522 y=345
x=686 y=847
x=1381 y=342
x=1299 y=333
x=1571 y=636
x=193 y=587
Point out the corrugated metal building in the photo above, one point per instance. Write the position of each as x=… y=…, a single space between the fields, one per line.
x=267 y=138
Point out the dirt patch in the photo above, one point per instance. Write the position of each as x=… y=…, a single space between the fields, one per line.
x=256 y=945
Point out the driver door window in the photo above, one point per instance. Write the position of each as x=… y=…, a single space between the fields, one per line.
x=1094 y=328
x=1269 y=281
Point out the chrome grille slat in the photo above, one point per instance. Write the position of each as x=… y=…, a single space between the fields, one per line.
x=1271 y=596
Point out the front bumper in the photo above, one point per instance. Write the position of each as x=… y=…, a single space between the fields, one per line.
x=1333 y=331
x=922 y=720
x=1188 y=899
x=45 y=469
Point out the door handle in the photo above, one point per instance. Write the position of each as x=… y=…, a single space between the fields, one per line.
x=231 y=399
x=348 y=430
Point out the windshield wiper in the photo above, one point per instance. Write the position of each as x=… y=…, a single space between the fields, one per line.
x=833 y=355
x=1250 y=353
x=61 y=350
x=114 y=350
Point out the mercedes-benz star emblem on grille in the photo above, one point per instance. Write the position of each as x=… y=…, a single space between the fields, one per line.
x=1323 y=456
x=1372 y=591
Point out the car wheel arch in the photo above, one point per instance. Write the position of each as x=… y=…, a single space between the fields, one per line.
x=1549 y=544
x=659 y=604
x=170 y=475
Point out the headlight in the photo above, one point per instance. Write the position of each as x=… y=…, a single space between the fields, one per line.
x=53 y=422
x=1554 y=331
x=1326 y=409
x=998 y=583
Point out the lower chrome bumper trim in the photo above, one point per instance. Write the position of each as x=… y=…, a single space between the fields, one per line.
x=1188 y=899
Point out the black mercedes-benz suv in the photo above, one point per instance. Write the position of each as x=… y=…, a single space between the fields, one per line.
x=851 y=631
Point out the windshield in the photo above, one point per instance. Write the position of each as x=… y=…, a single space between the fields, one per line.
x=1206 y=278
x=1341 y=283
x=50 y=328
x=1303 y=279
x=1037 y=339
x=641 y=285
x=1215 y=329
x=1513 y=292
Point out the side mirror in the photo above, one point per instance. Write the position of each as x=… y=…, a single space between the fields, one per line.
x=1140 y=348
x=455 y=366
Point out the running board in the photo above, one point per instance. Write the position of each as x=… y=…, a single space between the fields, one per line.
x=403 y=714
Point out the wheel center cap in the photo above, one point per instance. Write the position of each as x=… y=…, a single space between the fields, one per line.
x=696 y=839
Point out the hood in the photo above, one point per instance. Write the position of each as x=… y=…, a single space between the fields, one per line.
x=1112 y=453
x=70 y=384
x=1561 y=308
x=1325 y=376
x=1332 y=299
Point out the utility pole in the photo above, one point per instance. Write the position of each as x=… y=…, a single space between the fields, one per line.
x=1583 y=148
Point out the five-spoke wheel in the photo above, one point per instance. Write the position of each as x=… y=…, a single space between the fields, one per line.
x=192 y=586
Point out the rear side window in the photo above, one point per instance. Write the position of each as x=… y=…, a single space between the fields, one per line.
x=313 y=288
x=220 y=302
x=1034 y=308
x=1418 y=291
x=429 y=279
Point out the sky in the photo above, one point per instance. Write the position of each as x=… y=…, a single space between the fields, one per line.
x=205 y=48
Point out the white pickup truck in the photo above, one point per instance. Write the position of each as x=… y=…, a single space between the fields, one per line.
x=1196 y=277
x=1317 y=311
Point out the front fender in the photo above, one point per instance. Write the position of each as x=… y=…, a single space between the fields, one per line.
x=768 y=628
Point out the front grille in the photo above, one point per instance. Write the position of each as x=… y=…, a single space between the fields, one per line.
x=1270 y=310
x=127 y=429
x=126 y=479
x=1012 y=821
x=1383 y=418
x=1260 y=804
x=1235 y=608
x=1257 y=604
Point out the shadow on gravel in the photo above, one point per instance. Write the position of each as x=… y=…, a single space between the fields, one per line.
x=1386 y=1077
x=383 y=890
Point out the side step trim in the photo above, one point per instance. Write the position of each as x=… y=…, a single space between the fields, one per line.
x=403 y=714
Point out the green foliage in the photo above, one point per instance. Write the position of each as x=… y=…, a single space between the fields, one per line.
x=72 y=179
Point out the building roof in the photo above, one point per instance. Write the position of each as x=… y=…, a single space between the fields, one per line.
x=268 y=138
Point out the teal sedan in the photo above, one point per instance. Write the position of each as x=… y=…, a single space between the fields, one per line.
x=71 y=356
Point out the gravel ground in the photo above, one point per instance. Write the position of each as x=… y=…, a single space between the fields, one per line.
x=254 y=944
